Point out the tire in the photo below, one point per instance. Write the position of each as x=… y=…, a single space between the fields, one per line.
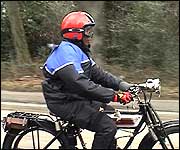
x=25 y=139
x=9 y=138
x=150 y=143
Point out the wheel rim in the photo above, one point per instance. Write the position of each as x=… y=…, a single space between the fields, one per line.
x=174 y=137
x=36 y=139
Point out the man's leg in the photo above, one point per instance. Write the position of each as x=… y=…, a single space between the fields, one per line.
x=87 y=117
x=91 y=119
x=105 y=130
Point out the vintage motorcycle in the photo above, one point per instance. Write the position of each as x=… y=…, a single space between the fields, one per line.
x=46 y=131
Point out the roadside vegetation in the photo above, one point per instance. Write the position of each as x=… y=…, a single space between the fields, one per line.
x=133 y=39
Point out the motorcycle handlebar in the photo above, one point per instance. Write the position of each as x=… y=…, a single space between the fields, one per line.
x=151 y=85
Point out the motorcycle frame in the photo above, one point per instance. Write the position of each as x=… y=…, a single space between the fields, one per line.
x=152 y=121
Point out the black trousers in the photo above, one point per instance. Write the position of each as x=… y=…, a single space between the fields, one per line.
x=86 y=115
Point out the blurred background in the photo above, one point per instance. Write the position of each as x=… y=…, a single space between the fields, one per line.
x=135 y=40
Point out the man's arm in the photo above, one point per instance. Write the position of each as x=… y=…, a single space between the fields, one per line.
x=80 y=84
x=106 y=79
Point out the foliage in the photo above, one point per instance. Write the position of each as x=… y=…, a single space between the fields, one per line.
x=142 y=35
x=135 y=34
x=6 y=40
x=41 y=23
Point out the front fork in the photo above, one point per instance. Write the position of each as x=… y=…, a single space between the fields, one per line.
x=156 y=127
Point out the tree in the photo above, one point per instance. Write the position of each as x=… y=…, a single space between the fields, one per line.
x=18 y=33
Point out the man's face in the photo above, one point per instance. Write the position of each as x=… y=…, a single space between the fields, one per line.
x=88 y=35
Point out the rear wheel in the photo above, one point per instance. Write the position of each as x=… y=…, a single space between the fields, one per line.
x=9 y=138
x=37 y=138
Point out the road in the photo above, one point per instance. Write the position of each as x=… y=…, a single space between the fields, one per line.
x=37 y=98
x=34 y=102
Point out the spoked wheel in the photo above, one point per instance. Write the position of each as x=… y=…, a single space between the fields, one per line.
x=37 y=138
x=172 y=132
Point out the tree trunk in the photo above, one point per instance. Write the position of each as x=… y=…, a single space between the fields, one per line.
x=18 y=33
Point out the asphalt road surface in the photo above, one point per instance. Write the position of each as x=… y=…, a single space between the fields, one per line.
x=37 y=98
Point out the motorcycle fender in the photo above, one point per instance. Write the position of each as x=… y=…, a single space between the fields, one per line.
x=166 y=124
x=46 y=124
x=170 y=123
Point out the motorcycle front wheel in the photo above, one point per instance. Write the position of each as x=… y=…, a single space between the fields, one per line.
x=172 y=132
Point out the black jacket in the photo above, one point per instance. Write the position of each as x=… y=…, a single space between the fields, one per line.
x=67 y=84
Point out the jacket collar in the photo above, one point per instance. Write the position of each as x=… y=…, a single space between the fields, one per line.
x=84 y=48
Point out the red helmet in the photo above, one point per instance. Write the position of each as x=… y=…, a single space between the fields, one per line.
x=73 y=24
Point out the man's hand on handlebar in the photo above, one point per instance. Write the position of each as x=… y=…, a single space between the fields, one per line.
x=123 y=97
x=151 y=85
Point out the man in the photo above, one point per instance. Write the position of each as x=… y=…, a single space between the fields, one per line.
x=75 y=87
